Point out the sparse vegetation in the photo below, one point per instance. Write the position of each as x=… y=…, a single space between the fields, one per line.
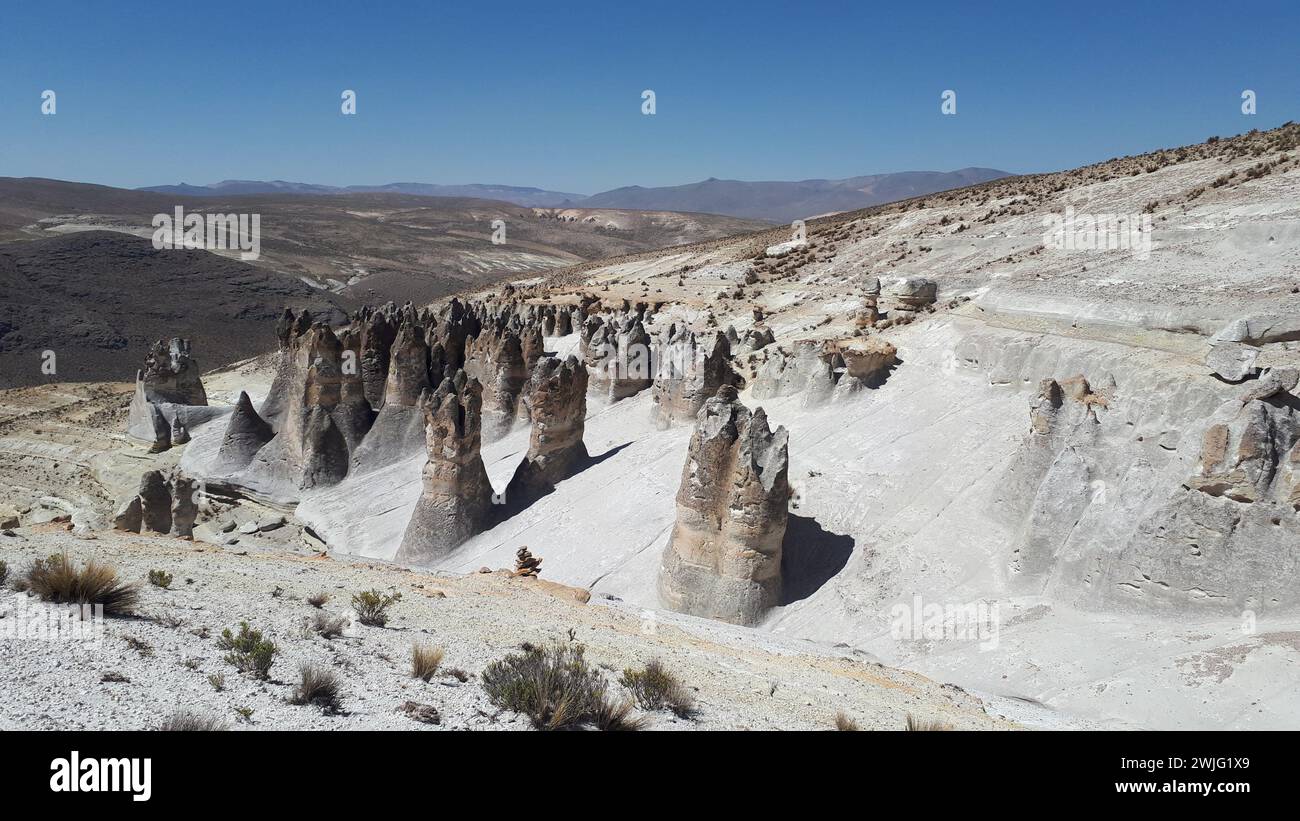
x=245 y=714
x=248 y=650
x=4 y=572
x=556 y=689
x=57 y=579
x=186 y=721
x=318 y=686
x=372 y=607
x=160 y=578
x=218 y=682
x=915 y=724
x=318 y=600
x=327 y=626
x=139 y=645
x=654 y=688
x=844 y=723
x=425 y=661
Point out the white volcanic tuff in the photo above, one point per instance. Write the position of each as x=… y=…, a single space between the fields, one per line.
x=723 y=559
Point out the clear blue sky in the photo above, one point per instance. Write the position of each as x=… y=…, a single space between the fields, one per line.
x=548 y=92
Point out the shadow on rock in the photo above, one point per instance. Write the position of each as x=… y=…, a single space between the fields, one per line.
x=810 y=557
x=512 y=505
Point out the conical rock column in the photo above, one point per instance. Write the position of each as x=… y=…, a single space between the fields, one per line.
x=723 y=560
x=457 y=494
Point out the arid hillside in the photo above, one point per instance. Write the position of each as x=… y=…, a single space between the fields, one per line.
x=372 y=246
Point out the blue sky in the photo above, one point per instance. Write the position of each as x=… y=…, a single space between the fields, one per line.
x=549 y=93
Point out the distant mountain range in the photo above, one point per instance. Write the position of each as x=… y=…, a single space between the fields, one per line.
x=531 y=197
x=772 y=201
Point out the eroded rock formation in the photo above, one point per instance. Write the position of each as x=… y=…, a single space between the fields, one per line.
x=456 y=496
x=164 y=503
x=723 y=560
x=557 y=402
x=690 y=372
x=169 y=399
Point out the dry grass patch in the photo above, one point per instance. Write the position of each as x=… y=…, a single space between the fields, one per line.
x=425 y=661
x=318 y=686
x=844 y=723
x=58 y=580
x=915 y=724
x=186 y=721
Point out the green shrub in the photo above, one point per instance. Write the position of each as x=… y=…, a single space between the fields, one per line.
x=248 y=650
x=160 y=578
x=372 y=607
x=654 y=688
x=556 y=689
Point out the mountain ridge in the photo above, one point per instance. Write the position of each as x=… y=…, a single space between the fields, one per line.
x=769 y=200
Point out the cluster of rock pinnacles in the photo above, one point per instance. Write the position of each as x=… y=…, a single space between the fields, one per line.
x=357 y=397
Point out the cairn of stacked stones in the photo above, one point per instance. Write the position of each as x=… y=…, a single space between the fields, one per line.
x=723 y=560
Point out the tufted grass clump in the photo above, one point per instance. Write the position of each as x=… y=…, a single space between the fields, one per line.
x=425 y=661
x=320 y=687
x=56 y=579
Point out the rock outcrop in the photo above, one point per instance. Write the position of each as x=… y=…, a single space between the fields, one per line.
x=165 y=504
x=723 y=560
x=169 y=400
x=457 y=495
x=246 y=433
x=912 y=294
x=689 y=374
x=557 y=402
